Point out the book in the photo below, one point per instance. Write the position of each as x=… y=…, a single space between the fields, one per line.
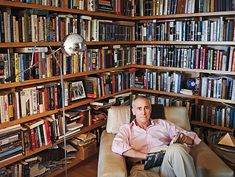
x=31 y=49
x=156 y=154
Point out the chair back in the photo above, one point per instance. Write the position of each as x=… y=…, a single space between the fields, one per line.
x=178 y=116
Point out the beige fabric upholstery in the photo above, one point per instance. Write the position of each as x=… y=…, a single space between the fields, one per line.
x=110 y=164
x=207 y=163
x=117 y=116
x=178 y=115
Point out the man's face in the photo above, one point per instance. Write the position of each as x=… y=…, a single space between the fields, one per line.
x=142 y=110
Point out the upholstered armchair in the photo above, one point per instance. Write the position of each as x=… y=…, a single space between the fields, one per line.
x=110 y=164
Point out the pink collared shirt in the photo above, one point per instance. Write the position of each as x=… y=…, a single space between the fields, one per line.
x=159 y=133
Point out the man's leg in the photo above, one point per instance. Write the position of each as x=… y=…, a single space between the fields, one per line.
x=177 y=162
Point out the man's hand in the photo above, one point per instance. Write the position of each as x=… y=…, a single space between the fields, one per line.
x=182 y=138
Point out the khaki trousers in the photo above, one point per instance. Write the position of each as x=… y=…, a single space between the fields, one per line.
x=176 y=163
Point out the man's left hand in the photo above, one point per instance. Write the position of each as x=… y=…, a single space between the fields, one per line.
x=185 y=139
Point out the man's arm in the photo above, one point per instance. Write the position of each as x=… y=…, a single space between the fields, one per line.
x=134 y=154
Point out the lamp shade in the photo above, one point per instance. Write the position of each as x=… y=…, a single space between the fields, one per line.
x=73 y=44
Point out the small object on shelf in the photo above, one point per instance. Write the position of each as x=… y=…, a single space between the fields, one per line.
x=227 y=153
x=227 y=140
x=186 y=91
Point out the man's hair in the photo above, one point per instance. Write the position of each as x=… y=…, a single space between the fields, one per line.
x=140 y=97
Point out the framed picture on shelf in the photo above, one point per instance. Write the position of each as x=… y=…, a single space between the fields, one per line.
x=77 y=91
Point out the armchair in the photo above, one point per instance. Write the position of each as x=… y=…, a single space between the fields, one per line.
x=110 y=164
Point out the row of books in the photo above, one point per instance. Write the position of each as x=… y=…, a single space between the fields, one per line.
x=216 y=29
x=161 y=7
x=16 y=64
x=36 y=134
x=43 y=65
x=21 y=139
x=34 y=100
x=162 y=81
x=11 y=142
x=38 y=26
x=216 y=115
x=119 y=7
x=218 y=87
x=210 y=57
x=107 y=30
x=109 y=83
x=35 y=25
x=174 y=101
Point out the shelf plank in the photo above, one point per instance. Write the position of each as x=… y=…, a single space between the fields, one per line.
x=100 y=43
x=183 y=69
x=57 y=78
x=27 y=118
x=59 y=171
x=193 y=122
x=195 y=43
x=164 y=93
x=189 y=15
x=87 y=73
x=183 y=95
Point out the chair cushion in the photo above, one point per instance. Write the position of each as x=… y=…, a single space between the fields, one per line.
x=117 y=116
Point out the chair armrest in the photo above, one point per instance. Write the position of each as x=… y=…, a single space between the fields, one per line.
x=110 y=164
x=208 y=164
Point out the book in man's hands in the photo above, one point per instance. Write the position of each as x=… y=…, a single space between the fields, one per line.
x=156 y=154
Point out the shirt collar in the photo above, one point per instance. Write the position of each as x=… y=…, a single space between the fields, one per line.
x=135 y=123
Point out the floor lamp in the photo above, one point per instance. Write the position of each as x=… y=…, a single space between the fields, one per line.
x=72 y=44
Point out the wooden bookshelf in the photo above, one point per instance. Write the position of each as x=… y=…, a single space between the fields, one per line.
x=60 y=9
x=130 y=67
x=30 y=153
x=57 y=78
x=197 y=123
x=189 y=15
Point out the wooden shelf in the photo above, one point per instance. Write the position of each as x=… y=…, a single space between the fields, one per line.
x=57 y=78
x=57 y=172
x=190 y=15
x=60 y=9
x=183 y=95
x=163 y=93
x=47 y=113
x=94 y=43
x=195 y=43
x=131 y=66
x=30 y=153
x=183 y=69
x=211 y=126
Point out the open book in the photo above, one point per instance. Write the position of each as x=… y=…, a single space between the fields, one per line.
x=156 y=154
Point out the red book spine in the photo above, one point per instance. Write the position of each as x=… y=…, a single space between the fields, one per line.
x=32 y=139
x=48 y=133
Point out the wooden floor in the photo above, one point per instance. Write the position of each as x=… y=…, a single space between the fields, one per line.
x=87 y=168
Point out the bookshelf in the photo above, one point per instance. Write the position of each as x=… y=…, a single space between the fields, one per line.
x=132 y=65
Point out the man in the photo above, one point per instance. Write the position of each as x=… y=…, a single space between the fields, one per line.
x=136 y=139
